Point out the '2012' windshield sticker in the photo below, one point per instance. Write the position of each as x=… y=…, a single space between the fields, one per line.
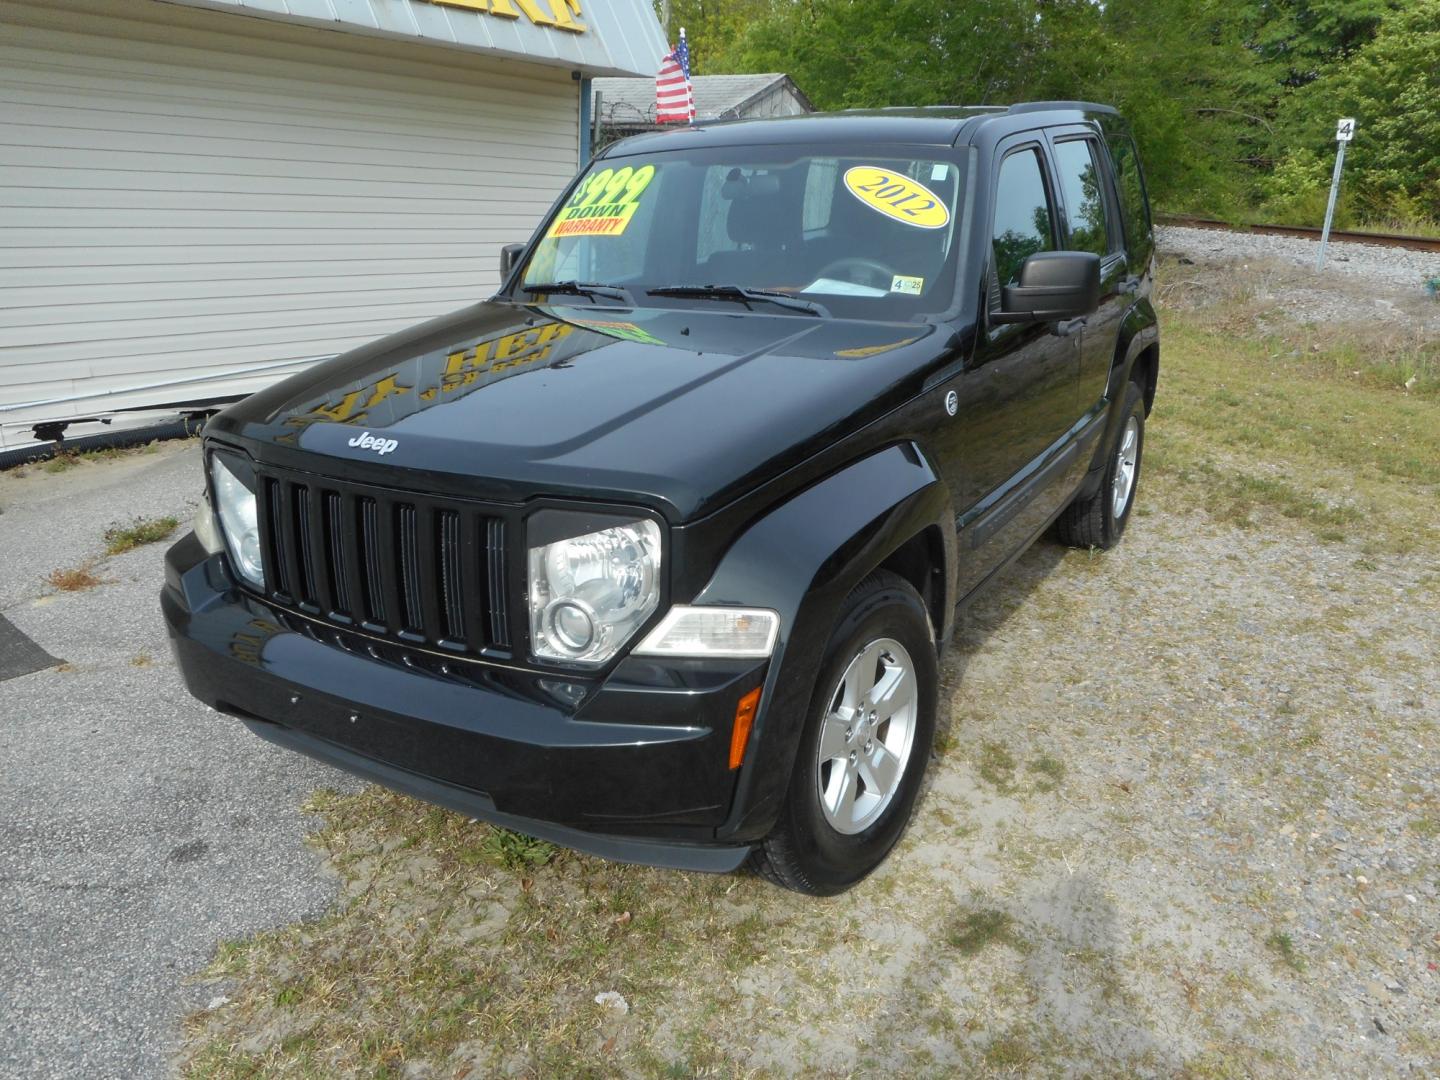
x=897 y=196
x=603 y=204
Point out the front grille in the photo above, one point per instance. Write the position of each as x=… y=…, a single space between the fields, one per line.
x=418 y=569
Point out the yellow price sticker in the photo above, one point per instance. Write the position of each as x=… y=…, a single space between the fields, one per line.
x=603 y=204
x=897 y=196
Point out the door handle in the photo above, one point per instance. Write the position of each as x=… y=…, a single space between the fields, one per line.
x=1066 y=327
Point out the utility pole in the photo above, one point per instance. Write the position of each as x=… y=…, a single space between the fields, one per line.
x=1344 y=132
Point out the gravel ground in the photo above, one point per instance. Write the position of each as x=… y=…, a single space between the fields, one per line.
x=1361 y=283
x=140 y=829
x=1399 y=267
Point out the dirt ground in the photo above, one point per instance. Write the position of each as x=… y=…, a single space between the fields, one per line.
x=1183 y=817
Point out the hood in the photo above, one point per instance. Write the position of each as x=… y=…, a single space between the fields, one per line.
x=680 y=410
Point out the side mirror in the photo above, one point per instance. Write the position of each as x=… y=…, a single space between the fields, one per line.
x=1053 y=285
x=509 y=256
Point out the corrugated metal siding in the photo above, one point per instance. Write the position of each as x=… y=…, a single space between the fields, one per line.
x=184 y=192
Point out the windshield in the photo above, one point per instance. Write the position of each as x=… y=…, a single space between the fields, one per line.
x=860 y=235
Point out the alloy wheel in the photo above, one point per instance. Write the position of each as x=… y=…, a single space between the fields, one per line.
x=867 y=736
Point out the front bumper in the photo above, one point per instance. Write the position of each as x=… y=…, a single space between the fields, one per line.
x=633 y=767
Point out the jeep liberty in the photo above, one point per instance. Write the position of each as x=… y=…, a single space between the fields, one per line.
x=654 y=552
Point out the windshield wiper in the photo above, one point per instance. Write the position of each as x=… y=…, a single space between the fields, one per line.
x=583 y=288
x=743 y=295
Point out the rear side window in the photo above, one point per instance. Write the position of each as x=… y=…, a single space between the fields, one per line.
x=1134 y=207
x=1023 y=223
x=1084 y=198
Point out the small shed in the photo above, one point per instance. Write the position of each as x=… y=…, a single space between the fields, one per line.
x=624 y=107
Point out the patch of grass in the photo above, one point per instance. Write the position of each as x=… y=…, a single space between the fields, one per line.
x=1339 y=455
x=121 y=539
x=478 y=952
x=75 y=579
x=1010 y=1053
x=996 y=765
x=516 y=851
x=141 y=660
x=1428 y=826
x=1049 y=772
x=978 y=930
x=61 y=462
x=1284 y=946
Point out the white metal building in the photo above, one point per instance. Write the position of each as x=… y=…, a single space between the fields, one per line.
x=627 y=106
x=200 y=196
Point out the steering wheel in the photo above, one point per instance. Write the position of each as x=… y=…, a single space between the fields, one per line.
x=885 y=273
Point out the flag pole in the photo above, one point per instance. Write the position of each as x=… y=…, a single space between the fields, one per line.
x=685 y=47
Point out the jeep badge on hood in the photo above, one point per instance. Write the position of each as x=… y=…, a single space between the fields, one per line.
x=366 y=441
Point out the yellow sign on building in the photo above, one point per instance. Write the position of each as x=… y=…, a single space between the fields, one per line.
x=560 y=14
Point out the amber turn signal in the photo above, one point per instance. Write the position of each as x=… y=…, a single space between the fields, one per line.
x=740 y=733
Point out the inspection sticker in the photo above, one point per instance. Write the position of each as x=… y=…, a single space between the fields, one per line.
x=897 y=196
x=603 y=204
x=910 y=286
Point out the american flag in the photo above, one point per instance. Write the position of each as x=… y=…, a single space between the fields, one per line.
x=674 y=99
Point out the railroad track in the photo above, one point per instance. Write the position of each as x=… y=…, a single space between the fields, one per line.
x=1414 y=243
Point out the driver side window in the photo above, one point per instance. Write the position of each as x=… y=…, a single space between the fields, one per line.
x=1023 y=221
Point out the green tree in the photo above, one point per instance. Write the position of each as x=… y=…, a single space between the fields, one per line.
x=1392 y=88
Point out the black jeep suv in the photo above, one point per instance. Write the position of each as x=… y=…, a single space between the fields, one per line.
x=653 y=552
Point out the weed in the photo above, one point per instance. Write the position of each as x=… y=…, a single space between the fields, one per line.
x=1010 y=1053
x=1049 y=772
x=980 y=929
x=61 y=462
x=996 y=765
x=141 y=660
x=1284 y=946
x=76 y=579
x=119 y=540
x=516 y=851
x=1428 y=827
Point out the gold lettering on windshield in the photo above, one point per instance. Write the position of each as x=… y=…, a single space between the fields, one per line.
x=557 y=13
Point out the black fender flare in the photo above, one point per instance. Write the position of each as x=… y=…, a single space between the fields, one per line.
x=1139 y=330
x=802 y=559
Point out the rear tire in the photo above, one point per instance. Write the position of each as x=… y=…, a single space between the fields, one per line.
x=865 y=745
x=1099 y=521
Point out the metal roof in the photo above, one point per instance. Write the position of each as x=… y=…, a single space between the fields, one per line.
x=717 y=97
x=596 y=37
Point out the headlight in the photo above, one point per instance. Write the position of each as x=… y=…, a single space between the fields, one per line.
x=235 y=506
x=590 y=592
x=713 y=631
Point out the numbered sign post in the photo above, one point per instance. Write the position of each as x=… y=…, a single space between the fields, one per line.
x=1344 y=132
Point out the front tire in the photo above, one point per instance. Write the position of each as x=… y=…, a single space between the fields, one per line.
x=865 y=746
x=1100 y=520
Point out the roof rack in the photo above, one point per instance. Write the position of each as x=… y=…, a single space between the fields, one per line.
x=1021 y=107
x=923 y=108
x=1043 y=106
